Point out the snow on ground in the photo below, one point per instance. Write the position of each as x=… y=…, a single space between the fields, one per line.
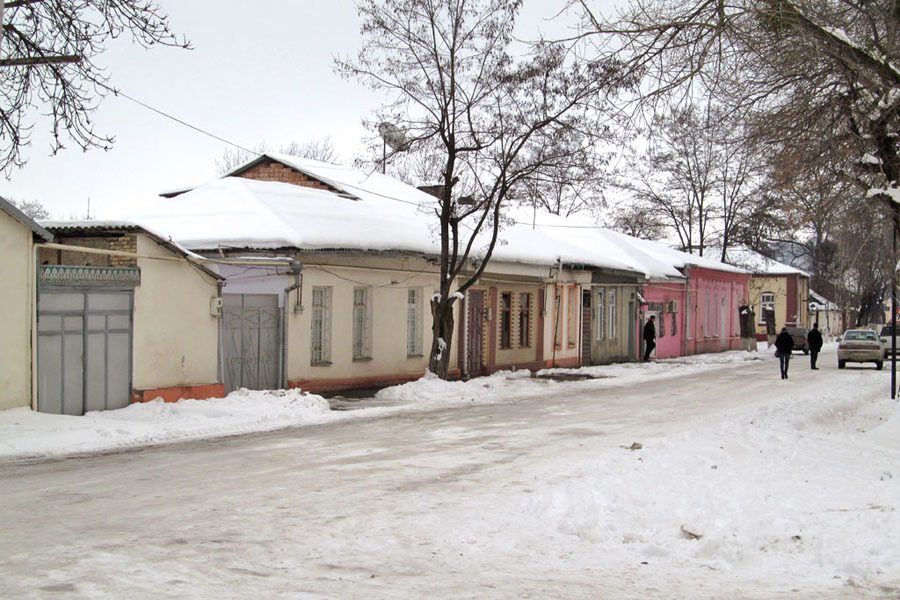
x=28 y=434
x=792 y=490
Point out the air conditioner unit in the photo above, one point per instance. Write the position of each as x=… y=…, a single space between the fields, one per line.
x=215 y=306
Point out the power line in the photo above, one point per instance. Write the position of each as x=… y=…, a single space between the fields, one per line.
x=118 y=92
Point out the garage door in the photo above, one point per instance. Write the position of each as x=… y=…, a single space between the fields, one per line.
x=84 y=350
x=250 y=332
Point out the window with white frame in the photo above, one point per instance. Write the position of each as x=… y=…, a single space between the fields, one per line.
x=601 y=306
x=414 y=322
x=766 y=303
x=612 y=314
x=320 y=334
x=362 y=323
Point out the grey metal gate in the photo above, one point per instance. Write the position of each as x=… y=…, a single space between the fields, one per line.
x=250 y=339
x=84 y=350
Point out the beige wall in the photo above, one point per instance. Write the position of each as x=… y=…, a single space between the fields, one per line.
x=15 y=312
x=777 y=284
x=568 y=352
x=389 y=289
x=175 y=335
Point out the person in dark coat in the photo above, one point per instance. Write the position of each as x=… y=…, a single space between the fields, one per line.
x=814 y=339
x=784 y=345
x=649 y=336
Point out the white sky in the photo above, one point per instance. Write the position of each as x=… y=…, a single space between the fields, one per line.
x=260 y=74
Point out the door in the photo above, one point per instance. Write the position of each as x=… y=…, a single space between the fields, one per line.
x=250 y=339
x=475 y=333
x=645 y=315
x=84 y=350
x=586 y=327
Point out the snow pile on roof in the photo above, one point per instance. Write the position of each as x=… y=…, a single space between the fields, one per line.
x=757 y=263
x=820 y=302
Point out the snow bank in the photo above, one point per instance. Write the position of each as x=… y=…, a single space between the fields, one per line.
x=24 y=433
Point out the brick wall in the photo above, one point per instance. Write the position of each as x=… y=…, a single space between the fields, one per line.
x=270 y=170
x=120 y=241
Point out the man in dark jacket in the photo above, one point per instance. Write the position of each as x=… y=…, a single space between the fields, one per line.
x=784 y=345
x=814 y=339
x=649 y=336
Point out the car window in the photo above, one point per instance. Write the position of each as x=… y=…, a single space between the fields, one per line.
x=860 y=335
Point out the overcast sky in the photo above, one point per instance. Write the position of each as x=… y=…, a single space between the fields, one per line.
x=258 y=71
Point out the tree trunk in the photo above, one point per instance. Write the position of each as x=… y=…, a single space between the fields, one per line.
x=442 y=335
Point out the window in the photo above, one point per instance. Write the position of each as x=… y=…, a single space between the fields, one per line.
x=724 y=315
x=674 y=309
x=715 y=308
x=600 y=314
x=661 y=326
x=766 y=303
x=414 y=322
x=524 y=320
x=572 y=314
x=612 y=314
x=362 y=323
x=320 y=336
x=687 y=315
x=706 y=319
x=506 y=320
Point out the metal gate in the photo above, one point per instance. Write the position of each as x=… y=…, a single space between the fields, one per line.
x=250 y=332
x=84 y=350
x=475 y=335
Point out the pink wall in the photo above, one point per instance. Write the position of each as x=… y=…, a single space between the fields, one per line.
x=714 y=298
x=668 y=345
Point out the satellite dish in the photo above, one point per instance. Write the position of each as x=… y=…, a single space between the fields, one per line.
x=392 y=135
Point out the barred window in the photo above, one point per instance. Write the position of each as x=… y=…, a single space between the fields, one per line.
x=320 y=334
x=362 y=323
x=601 y=312
x=414 y=322
x=524 y=320
x=506 y=320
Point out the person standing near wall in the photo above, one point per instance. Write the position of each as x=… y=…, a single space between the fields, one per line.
x=814 y=338
x=649 y=336
x=784 y=345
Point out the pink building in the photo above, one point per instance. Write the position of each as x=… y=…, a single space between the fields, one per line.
x=699 y=314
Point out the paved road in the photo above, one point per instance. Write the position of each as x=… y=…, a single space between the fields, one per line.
x=377 y=508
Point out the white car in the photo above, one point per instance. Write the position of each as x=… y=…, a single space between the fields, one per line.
x=860 y=345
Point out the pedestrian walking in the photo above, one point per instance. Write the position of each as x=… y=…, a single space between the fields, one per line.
x=784 y=345
x=649 y=336
x=814 y=338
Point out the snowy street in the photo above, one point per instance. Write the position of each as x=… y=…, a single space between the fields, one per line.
x=686 y=480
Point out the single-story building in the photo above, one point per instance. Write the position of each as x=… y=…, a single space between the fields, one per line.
x=18 y=236
x=123 y=314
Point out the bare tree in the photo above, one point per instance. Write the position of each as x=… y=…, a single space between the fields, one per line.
x=32 y=208
x=322 y=150
x=47 y=54
x=820 y=75
x=491 y=118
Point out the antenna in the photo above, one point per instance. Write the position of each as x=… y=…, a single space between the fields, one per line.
x=393 y=136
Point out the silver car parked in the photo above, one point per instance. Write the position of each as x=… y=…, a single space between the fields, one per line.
x=860 y=345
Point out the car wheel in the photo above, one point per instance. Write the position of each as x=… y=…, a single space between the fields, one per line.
x=879 y=365
x=842 y=364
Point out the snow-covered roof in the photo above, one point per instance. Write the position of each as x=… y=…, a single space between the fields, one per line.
x=757 y=263
x=819 y=301
x=376 y=212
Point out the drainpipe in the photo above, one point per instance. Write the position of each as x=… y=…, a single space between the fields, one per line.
x=296 y=270
x=684 y=309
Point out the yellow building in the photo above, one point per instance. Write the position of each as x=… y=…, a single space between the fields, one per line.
x=775 y=287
